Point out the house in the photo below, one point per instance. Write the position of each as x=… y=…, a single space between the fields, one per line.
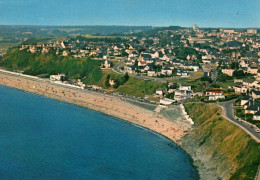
x=33 y=48
x=252 y=70
x=238 y=80
x=172 y=88
x=65 y=53
x=255 y=94
x=214 y=92
x=228 y=72
x=215 y=95
x=245 y=100
x=144 y=57
x=159 y=92
x=252 y=108
x=166 y=101
x=166 y=71
x=59 y=77
x=81 y=84
x=256 y=116
x=129 y=69
x=182 y=73
x=182 y=95
x=151 y=73
x=112 y=82
x=106 y=64
x=185 y=88
x=240 y=89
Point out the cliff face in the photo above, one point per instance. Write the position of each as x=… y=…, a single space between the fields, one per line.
x=220 y=149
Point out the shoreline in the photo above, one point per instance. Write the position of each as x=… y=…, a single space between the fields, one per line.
x=107 y=104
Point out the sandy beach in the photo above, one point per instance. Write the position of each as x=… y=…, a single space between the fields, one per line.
x=108 y=104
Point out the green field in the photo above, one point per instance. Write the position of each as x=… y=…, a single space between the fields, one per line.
x=5 y=46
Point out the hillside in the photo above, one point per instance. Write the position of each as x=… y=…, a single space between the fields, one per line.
x=88 y=70
x=220 y=146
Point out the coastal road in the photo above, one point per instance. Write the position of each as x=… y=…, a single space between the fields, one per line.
x=228 y=113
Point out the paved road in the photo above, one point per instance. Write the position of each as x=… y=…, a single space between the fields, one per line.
x=228 y=112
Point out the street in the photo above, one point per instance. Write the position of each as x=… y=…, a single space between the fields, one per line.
x=228 y=112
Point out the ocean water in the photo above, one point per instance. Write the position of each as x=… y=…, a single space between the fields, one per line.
x=42 y=138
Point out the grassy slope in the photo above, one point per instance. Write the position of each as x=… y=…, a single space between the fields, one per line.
x=225 y=140
x=138 y=87
x=86 y=69
x=133 y=86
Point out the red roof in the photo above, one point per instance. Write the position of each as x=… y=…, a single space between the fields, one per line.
x=214 y=91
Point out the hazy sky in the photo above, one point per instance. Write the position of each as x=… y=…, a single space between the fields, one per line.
x=204 y=13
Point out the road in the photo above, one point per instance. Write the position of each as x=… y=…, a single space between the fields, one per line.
x=229 y=114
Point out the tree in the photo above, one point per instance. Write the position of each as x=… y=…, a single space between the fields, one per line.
x=234 y=65
x=116 y=85
x=136 y=63
x=107 y=81
x=126 y=77
x=238 y=73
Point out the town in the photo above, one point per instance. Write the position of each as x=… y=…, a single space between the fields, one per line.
x=209 y=65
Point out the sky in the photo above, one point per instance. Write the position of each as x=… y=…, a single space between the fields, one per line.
x=204 y=13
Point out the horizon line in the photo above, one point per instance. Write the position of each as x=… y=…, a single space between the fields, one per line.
x=203 y=27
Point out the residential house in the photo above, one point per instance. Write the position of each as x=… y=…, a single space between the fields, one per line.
x=171 y=88
x=182 y=95
x=245 y=100
x=65 y=53
x=159 y=92
x=151 y=73
x=106 y=64
x=255 y=94
x=130 y=69
x=166 y=101
x=33 y=48
x=59 y=77
x=112 y=82
x=256 y=116
x=252 y=70
x=185 y=88
x=240 y=89
x=182 y=73
x=215 y=95
x=214 y=92
x=252 y=108
x=238 y=80
x=166 y=71
x=228 y=72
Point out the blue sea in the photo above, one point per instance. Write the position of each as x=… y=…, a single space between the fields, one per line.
x=42 y=138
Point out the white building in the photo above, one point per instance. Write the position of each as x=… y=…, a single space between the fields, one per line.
x=59 y=77
x=166 y=101
x=252 y=31
x=185 y=88
x=228 y=72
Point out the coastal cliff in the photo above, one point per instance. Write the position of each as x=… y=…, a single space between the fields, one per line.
x=220 y=149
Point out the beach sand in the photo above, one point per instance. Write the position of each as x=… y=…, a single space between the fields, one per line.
x=108 y=104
